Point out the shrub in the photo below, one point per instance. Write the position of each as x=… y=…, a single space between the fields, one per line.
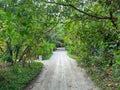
x=17 y=77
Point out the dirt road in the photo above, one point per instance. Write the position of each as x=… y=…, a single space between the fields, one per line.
x=62 y=73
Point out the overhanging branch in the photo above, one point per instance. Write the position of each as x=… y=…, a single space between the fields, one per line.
x=81 y=11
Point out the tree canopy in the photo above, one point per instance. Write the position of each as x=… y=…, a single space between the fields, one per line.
x=89 y=29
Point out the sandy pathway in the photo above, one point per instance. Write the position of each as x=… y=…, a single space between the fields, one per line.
x=62 y=73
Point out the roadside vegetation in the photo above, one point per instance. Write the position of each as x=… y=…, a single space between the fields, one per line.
x=90 y=30
x=24 y=36
x=94 y=40
x=16 y=77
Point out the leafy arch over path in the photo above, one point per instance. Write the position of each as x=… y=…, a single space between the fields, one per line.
x=92 y=34
x=89 y=28
x=110 y=17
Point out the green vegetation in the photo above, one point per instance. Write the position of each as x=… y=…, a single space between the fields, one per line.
x=90 y=30
x=16 y=77
x=24 y=36
x=46 y=57
x=45 y=49
x=95 y=40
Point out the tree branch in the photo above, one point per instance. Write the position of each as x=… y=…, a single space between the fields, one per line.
x=1 y=49
x=113 y=20
x=26 y=50
x=81 y=11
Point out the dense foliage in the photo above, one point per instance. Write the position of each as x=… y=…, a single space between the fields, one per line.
x=24 y=33
x=94 y=37
x=16 y=77
x=90 y=29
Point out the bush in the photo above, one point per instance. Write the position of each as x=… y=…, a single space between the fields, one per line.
x=17 y=77
x=45 y=49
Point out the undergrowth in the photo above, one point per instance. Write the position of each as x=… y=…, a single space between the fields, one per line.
x=105 y=78
x=17 y=77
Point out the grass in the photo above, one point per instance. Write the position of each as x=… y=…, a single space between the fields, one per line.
x=17 y=77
